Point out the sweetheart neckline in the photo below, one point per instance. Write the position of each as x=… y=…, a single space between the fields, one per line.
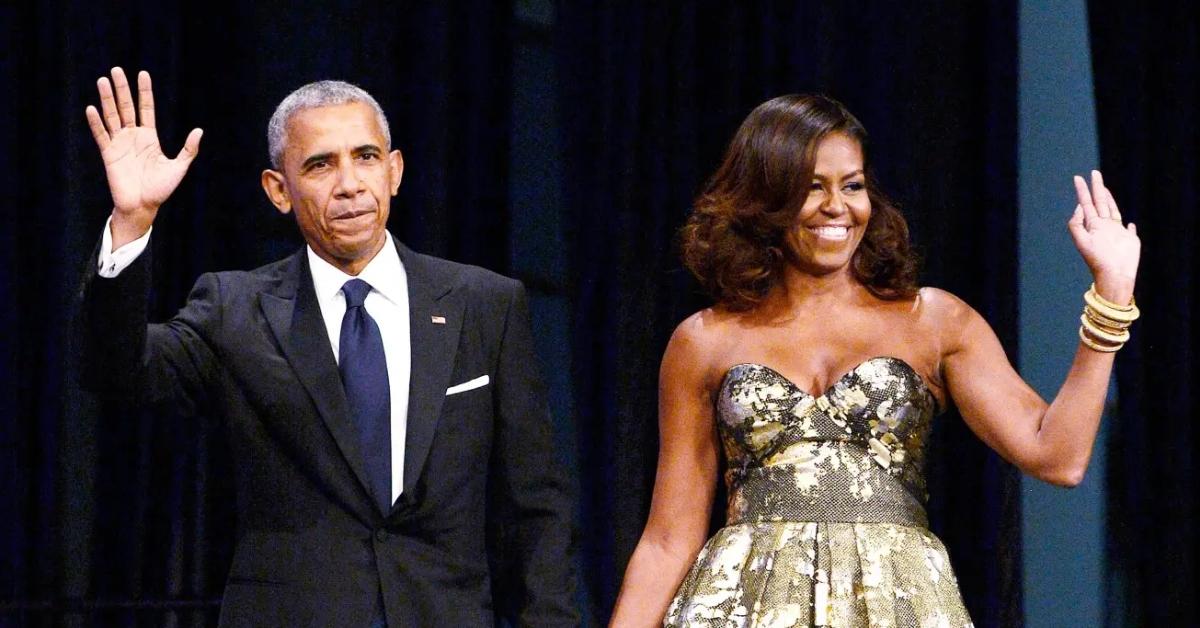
x=854 y=369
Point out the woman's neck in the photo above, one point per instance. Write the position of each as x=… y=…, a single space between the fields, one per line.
x=799 y=292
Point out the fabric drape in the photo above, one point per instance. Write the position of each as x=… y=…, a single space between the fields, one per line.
x=118 y=516
x=1148 y=113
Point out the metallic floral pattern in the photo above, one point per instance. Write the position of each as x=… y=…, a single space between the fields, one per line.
x=826 y=518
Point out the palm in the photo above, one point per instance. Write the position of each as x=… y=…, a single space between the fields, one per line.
x=1107 y=245
x=140 y=176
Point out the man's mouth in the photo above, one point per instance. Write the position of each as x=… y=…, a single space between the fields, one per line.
x=352 y=213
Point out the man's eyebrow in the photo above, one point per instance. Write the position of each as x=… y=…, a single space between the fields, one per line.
x=314 y=159
x=366 y=148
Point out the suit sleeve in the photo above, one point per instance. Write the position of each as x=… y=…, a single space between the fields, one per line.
x=533 y=500
x=126 y=358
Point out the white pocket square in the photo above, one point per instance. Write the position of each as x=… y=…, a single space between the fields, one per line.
x=482 y=380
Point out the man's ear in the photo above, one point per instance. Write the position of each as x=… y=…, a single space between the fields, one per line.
x=396 y=169
x=273 y=185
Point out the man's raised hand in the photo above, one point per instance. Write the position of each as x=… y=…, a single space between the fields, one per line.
x=140 y=176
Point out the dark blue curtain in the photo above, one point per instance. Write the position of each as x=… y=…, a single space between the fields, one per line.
x=1145 y=65
x=116 y=516
x=651 y=92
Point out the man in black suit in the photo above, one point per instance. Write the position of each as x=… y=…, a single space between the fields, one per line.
x=392 y=445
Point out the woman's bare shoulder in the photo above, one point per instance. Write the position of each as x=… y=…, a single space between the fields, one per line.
x=706 y=327
x=700 y=340
x=942 y=305
x=946 y=314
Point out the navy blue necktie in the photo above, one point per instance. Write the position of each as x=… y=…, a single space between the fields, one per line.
x=365 y=380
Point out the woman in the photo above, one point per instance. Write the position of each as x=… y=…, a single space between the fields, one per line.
x=818 y=372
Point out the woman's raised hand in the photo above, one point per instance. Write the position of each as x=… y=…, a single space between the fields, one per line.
x=1110 y=248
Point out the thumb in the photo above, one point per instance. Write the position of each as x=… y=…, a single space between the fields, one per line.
x=191 y=147
x=1075 y=224
x=1076 y=227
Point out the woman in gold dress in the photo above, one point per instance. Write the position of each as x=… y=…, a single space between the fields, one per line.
x=818 y=373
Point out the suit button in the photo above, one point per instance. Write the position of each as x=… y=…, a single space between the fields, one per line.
x=381 y=535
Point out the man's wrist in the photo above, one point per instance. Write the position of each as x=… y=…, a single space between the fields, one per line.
x=125 y=229
x=113 y=259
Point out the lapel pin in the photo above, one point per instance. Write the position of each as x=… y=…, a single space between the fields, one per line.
x=438 y=320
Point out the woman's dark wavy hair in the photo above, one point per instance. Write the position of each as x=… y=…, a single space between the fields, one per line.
x=734 y=240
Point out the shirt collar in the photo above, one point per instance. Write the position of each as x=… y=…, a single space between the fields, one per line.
x=385 y=273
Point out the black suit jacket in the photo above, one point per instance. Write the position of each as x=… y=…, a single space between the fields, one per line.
x=482 y=528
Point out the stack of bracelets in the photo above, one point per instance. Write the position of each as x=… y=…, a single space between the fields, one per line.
x=1105 y=325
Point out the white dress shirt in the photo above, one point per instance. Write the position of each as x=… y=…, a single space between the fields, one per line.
x=387 y=303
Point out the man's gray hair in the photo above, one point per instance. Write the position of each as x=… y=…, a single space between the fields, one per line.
x=318 y=94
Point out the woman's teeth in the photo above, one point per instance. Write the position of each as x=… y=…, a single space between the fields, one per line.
x=831 y=233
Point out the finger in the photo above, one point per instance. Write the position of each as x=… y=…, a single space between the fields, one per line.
x=1076 y=228
x=191 y=147
x=1104 y=196
x=1076 y=221
x=97 y=126
x=124 y=98
x=108 y=105
x=145 y=100
x=1109 y=199
x=1077 y=215
x=1098 y=196
x=1084 y=197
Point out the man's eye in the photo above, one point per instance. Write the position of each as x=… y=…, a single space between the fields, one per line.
x=368 y=156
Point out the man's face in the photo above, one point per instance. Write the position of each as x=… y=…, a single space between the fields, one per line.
x=339 y=179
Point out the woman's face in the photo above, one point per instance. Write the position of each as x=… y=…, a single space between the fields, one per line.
x=835 y=213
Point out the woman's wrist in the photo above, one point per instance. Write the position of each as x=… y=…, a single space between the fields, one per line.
x=1116 y=289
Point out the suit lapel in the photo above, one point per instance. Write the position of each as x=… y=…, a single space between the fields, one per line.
x=295 y=318
x=434 y=347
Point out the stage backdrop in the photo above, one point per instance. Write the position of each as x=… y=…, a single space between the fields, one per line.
x=116 y=516
x=1148 y=108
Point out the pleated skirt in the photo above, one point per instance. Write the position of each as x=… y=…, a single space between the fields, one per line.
x=777 y=574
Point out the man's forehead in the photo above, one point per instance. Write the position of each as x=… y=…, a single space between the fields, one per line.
x=351 y=123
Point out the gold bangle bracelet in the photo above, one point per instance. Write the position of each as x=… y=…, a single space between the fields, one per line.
x=1106 y=324
x=1100 y=334
x=1116 y=314
x=1091 y=344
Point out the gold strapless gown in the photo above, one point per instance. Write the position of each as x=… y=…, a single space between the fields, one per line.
x=826 y=518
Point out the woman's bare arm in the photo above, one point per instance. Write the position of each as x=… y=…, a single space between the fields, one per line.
x=684 y=486
x=1052 y=442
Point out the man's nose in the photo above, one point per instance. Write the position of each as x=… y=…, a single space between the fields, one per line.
x=348 y=181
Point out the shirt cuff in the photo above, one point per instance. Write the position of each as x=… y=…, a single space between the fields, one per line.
x=111 y=262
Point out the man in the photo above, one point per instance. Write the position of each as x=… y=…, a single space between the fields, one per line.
x=390 y=436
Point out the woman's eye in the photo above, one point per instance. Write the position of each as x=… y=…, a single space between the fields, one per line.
x=855 y=186
x=815 y=187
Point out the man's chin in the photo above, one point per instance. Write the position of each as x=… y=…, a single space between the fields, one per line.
x=350 y=250
x=357 y=251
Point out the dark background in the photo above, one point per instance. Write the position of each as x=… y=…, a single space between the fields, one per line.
x=561 y=144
